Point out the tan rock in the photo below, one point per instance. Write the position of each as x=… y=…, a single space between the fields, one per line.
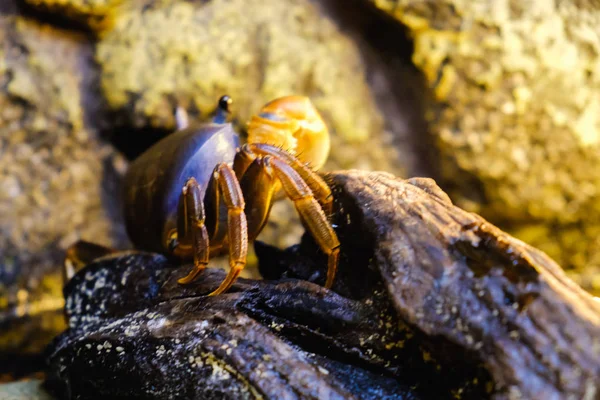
x=55 y=173
x=516 y=115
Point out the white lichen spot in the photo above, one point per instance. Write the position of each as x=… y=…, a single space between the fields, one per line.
x=139 y=314
x=100 y=282
x=202 y=325
x=469 y=340
x=157 y=323
x=120 y=349
x=125 y=276
x=277 y=327
x=132 y=330
x=219 y=373
x=161 y=350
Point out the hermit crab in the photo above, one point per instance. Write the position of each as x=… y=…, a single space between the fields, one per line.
x=197 y=193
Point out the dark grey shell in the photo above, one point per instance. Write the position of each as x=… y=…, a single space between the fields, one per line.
x=154 y=180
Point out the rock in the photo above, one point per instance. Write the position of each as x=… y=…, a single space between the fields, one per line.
x=454 y=276
x=189 y=54
x=428 y=296
x=56 y=176
x=27 y=390
x=153 y=338
x=93 y=14
x=514 y=110
x=255 y=52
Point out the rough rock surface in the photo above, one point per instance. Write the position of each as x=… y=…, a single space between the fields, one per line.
x=253 y=50
x=128 y=312
x=55 y=174
x=29 y=390
x=189 y=53
x=428 y=296
x=515 y=108
x=456 y=276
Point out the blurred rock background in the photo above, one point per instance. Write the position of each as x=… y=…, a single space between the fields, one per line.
x=496 y=99
x=515 y=115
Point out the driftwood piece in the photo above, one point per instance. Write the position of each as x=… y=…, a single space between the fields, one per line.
x=430 y=301
x=452 y=274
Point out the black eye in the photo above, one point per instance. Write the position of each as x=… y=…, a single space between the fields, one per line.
x=225 y=102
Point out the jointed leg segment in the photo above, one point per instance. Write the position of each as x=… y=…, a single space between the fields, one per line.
x=320 y=190
x=256 y=169
x=237 y=227
x=191 y=228
x=310 y=212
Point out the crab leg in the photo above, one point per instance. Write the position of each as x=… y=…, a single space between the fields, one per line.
x=237 y=227
x=190 y=227
x=258 y=188
x=319 y=188
x=80 y=254
x=310 y=212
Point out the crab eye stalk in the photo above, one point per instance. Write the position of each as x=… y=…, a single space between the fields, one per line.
x=294 y=124
x=225 y=103
x=223 y=109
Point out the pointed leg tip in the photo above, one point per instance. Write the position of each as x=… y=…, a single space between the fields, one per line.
x=215 y=293
x=329 y=283
x=221 y=289
x=190 y=277
x=184 y=281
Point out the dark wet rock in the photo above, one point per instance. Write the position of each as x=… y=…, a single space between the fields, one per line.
x=428 y=297
x=135 y=332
